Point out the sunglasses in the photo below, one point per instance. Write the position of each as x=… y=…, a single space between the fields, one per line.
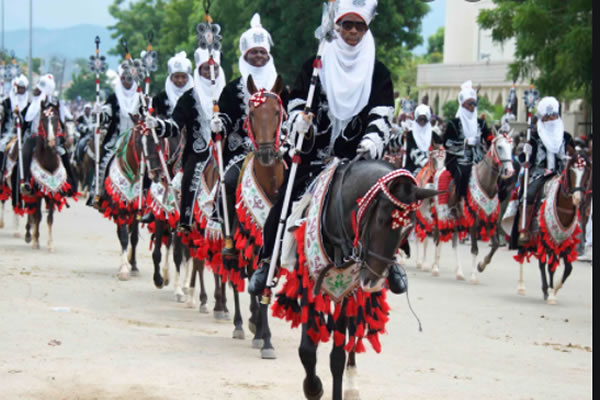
x=471 y=103
x=359 y=26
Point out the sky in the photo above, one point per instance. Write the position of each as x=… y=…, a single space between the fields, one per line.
x=63 y=13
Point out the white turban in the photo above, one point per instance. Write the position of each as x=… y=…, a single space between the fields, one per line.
x=202 y=55
x=202 y=86
x=466 y=92
x=46 y=84
x=20 y=81
x=422 y=134
x=363 y=8
x=546 y=106
x=256 y=36
x=179 y=63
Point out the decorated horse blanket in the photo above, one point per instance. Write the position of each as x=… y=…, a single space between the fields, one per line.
x=367 y=313
x=161 y=202
x=52 y=186
x=444 y=219
x=550 y=240
x=121 y=200
x=479 y=206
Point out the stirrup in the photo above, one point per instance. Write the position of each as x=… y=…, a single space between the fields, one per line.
x=25 y=188
x=184 y=228
x=523 y=238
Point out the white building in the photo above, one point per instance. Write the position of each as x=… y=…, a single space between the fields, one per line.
x=470 y=54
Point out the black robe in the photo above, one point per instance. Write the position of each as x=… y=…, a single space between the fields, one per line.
x=415 y=157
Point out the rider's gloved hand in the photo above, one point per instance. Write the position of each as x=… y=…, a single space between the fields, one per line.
x=472 y=141
x=216 y=125
x=303 y=123
x=368 y=147
x=151 y=122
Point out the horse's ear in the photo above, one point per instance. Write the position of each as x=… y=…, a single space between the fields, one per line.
x=422 y=194
x=278 y=86
x=251 y=86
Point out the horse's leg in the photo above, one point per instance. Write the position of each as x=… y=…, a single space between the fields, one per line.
x=521 y=285
x=474 y=253
x=419 y=263
x=178 y=250
x=566 y=273
x=337 y=359
x=312 y=386
x=218 y=311
x=542 y=267
x=125 y=267
x=37 y=217
x=199 y=267
x=134 y=241
x=435 y=267
x=156 y=254
x=253 y=314
x=268 y=351
x=258 y=340
x=28 y=228
x=238 y=331
x=2 y=215
x=165 y=267
x=16 y=232
x=50 y=221
x=551 y=292
x=425 y=245
x=190 y=283
x=224 y=296
x=488 y=258
x=459 y=272
x=351 y=392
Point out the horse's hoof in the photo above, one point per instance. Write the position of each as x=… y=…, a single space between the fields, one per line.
x=252 y=327
x=268 y=354
x=435 y=272
x=351 y=394
x=419 y=266
x=135 y=272
x=166 y=282
x=36 y=246
x=312 y=392
x=27 y=237
x=123 y=273
x=204 y=309
x=51 y=250
x=551 y=299
x=226 y=316
x=191 y=304
x=257 y=343
x=521 y=291
x=219 y=315
x=238 y=333
x=460 y=276
x=180 y=298
x=480 y=267
x=474 y=281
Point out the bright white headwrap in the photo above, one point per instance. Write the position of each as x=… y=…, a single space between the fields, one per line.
x=178 y=63
x=422 y=134
x=347 y=71
x=46 y=86
x=202 y=85
x=257 y=36
x=551 y=132
x=16 y=99
x=467 y=118
x=363 y=8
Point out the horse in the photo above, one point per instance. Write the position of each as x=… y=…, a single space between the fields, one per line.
x=478 y=214
x=346 y=242
x=49 y=181
x=9 y=185
x=84 y=161
x=261 y=178
x=424 y=224
x=122 y=200
x=205 y=241
x=554 y=230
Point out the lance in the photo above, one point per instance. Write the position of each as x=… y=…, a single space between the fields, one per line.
x=530 y=98
x=209 y=38
x=2 y=76
x=19 y=144
x=98 y=65
x=325 y=33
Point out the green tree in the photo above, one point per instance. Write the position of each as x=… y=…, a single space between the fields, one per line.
x=553 y=37
x=449 y=109
x=84 y=83
x=435 y=47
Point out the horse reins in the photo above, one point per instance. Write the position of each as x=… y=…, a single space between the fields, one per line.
x=257 y=100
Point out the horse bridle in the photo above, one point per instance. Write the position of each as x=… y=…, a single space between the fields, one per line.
x=580 y=161
x=493 y=152
x=270 y=148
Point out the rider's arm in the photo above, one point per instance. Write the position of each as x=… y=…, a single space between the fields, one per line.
x=381 y=108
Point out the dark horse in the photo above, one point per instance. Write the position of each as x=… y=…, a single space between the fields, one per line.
x=260 y=179
x=49 y=180
x=358 y=217
x=122 y=200
x=555 y=227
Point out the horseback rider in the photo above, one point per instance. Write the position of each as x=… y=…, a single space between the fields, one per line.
x=177 y=83
x=85 y=122
x=44 y=94
x=18 y=97
x=353 y=109
x=193 y=111
x=255 y=60
x=466 y=139
x=547 y=151
x=116 y=112
x=420 y=137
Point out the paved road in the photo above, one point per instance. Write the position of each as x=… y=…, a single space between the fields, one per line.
x=70 y=330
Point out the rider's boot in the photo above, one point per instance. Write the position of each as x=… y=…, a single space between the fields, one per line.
x=148 y=218
x=524 y=235
x=258 y=281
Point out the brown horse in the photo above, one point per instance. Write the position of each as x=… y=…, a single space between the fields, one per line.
x=555 y=227
x=122 y=201
x=48 y=176
x=9 y=185
x=258 y=188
